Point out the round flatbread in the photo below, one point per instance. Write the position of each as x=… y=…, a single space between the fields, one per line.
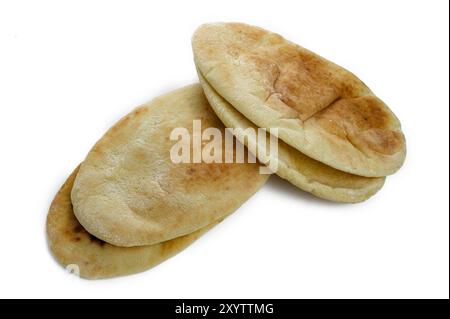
x=302 y=171
x=319 y=108
x=129 y=192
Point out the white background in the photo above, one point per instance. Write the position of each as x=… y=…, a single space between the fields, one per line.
x=69 y=70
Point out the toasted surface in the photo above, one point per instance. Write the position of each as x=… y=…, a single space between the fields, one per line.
x=128 y=192
x=71 y=244
x=302 y=171
x=319 y=108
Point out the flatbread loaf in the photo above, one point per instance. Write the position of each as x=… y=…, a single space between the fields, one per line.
x=128 y=191
x=302 y=171
x=319 y=108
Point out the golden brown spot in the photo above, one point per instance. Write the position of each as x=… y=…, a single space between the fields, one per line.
x=382 y=141
x=119 y=125
x=214 y=171
x=139 y=111
x=169 y=246
x=363 y=121
x=95 y=240
x=361 y=113
x=79 y=229
x=367 y=112
x=192 y=176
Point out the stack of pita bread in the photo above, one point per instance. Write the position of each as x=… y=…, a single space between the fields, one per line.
x=128 y=206
x=338 y=140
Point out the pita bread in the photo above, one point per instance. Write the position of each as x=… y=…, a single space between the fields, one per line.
x=319 y=108
x=72 y=245
x=302 y=171
x=128 y=192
